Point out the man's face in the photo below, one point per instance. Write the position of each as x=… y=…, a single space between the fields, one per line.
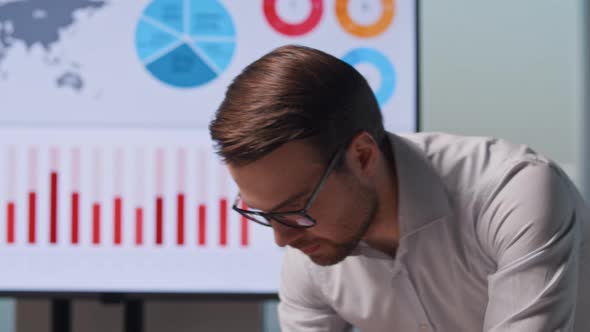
x=284 y=180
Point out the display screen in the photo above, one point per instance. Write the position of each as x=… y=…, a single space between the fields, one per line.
x=108 y=179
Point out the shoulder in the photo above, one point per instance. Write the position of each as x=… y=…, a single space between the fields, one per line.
x=472 y=167
x=507 y=193
x=529 y=206
x=475 y=155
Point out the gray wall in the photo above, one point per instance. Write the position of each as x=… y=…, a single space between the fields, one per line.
x=506 y=68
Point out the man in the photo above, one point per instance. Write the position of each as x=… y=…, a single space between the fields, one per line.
x=419 y=232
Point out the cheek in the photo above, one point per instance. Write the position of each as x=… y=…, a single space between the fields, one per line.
x=336 y=214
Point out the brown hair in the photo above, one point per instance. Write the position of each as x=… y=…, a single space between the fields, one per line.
x=292 y=93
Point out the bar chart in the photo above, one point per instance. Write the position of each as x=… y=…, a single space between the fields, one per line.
x=117 y=194
x=95 y=210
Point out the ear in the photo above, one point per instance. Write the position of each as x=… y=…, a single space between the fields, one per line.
x=362 y=155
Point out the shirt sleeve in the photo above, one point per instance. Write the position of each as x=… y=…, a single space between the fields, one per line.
x=302 y=307
x=529 y=228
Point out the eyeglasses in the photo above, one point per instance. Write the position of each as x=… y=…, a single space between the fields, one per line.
x=295 y=219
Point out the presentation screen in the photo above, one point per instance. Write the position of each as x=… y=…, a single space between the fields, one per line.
x=108 y=180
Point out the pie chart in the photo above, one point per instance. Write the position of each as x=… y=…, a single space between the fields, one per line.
x=382 y=67
x=185 y=43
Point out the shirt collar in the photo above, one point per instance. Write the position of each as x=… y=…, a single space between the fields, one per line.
x=422 y=197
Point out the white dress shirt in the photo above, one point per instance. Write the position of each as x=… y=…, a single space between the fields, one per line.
x=494 y=237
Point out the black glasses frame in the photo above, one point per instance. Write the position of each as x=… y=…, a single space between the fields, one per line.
x=278 y=216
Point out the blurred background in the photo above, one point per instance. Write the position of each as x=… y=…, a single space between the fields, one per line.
x=511 y=69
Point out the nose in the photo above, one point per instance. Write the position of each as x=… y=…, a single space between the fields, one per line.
x=284 y=235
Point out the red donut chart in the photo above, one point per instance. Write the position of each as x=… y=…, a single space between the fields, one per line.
x=270 y=11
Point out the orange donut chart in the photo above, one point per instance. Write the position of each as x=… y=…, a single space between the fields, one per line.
x=365 y=31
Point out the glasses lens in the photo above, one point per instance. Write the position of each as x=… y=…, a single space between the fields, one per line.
x=298 y=220
x=251 y=213
x=295 y=220
x=259 y=219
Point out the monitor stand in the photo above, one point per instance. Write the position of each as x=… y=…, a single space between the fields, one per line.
x=61 y=319
x=133 y=316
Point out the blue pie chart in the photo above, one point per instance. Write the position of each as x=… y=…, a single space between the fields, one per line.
x=385 y=68
x=185 y=43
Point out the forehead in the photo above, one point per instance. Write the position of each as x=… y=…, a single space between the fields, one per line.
x=290 y=168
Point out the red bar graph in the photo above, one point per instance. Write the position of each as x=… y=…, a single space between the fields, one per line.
x=96 y=223
x=75 y=218
x=245 y=235
x=180 y=219
x=53 y=209
x=10 y=222
x=85 y=193
x=96 y=187
x=138 y=226
x=139 y=187
x=159 y=220
x=75 y=197
x=159 y=196
x=202 y=229
x=118 y=179
x=118 y=220
x=32 y=217
x=223 y=222
x=245 y=224
x=180 y=198
x=32 y=195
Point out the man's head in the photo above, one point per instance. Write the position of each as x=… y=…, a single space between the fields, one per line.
x=283 y=119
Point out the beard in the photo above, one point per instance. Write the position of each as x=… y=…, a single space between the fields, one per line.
x=336 y=252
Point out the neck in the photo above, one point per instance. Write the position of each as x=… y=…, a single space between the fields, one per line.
x=383 y=234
